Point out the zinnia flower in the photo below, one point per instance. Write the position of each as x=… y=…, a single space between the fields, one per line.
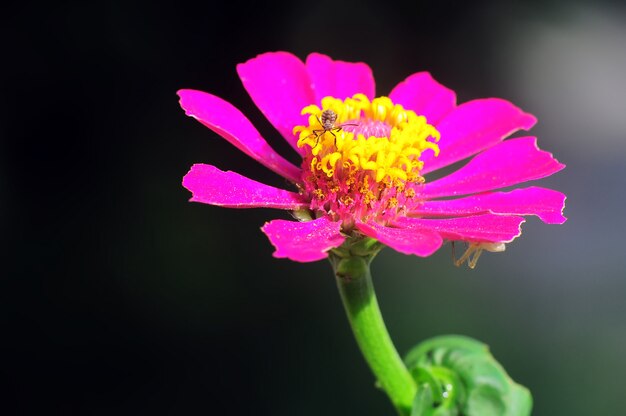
x=366 y=160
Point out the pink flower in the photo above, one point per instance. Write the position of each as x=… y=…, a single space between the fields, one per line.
x=365 y=160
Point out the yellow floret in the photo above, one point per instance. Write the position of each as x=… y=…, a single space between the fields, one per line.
x=389 y=159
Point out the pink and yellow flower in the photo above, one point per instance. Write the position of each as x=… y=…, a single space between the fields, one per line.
x=365 y=160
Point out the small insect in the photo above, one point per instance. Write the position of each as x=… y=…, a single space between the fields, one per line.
x=327 y=121
x=473 y=252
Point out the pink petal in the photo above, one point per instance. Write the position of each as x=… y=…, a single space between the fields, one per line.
x=545 y=203
x=479 y=228
x=210 y=185
x=339 y=79
x=304 y=241
x=421 y=242
x=279 y=85
x=474 y=126
x=509 y=163
x=227 y=121
x=422 y=94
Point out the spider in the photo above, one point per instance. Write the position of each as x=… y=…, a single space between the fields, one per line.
x=327 y=122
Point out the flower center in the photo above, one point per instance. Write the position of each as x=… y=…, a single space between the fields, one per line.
x=363 y=157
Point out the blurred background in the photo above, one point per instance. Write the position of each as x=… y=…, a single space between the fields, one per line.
x=121 y=297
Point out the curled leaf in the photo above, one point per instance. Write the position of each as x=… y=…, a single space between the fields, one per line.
x=458 y=376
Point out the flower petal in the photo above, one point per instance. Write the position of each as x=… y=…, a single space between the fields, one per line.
x=210 y=185
x=511 y=162
x=227 y=121
x=421 y=242
x=547 y=204
x=477 y=228
x=474 y=126
x=303 y=241
x=279 y=85
x=422 y=94
x=339 y=79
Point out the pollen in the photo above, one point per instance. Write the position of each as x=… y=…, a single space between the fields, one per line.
x=362 y=156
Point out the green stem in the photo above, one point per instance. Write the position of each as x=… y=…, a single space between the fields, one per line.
x=354 y=281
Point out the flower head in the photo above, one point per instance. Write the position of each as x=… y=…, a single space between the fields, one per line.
x=365 y=160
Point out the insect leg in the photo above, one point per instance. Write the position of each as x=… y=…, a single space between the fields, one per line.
x=318 y=134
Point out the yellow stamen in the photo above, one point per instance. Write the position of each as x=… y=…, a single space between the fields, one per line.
x=391 y=158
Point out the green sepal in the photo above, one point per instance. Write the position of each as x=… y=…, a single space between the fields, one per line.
x=458 y=376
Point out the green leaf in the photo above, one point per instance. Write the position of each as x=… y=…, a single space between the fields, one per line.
x=458 y=375
x=424 y=403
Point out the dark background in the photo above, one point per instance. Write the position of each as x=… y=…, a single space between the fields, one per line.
x=120 y=297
